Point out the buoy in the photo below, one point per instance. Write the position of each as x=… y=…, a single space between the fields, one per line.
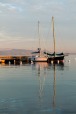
x=69 y=61
x=31 y=62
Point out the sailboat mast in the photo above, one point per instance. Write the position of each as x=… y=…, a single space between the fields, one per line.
x=39 y=36
x=53 y=34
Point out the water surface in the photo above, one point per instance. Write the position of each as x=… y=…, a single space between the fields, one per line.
x=39 y=88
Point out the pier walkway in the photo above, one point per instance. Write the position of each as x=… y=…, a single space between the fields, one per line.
x=13 y=59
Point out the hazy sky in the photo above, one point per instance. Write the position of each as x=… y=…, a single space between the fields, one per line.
x=19 y=24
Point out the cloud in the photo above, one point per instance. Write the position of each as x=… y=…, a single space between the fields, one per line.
x=4 y=36
x=10 y=7
x=19 y=17
x=9 y=41
x=33 y=6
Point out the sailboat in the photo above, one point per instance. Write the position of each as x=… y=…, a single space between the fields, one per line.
x=38 y=57
x=54 y=57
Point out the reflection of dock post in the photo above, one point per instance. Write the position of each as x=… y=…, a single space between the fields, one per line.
x=9 y=62
x=20 y=62
x=14 y=62
x=51 y=62
x=58 y=61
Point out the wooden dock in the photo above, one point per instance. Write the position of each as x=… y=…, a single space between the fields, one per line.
x=14 y=59
x=17 y=60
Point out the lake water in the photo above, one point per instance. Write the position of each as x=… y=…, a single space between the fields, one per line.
x=39 y=88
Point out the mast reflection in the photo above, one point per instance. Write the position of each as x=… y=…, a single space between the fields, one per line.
x=54 y=88
x=43 y=70
x=56 y=67
x=41 y=76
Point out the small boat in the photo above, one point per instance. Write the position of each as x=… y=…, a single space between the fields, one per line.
x=54 y=57
x=38 y=57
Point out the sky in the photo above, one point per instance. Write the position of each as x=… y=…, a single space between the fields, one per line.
x=19 y=24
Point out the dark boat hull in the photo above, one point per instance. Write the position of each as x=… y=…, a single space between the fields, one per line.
x=55 y=59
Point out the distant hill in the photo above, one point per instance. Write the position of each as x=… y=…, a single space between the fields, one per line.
x=15 y=52
x=19 y=52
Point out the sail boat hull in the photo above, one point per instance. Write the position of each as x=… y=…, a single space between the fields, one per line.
x=39 y=59
x=56 y=59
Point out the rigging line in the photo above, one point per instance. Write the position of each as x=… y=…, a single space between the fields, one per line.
x=47 y=37
x=35 y=39
x=43 y=38
x=39 y=33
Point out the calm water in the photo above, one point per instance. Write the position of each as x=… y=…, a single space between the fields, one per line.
x=39 y=88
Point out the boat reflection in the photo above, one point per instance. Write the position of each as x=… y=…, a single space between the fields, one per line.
x=42 y=72
x=55 y=108
x=45 y=65
x=41 y=76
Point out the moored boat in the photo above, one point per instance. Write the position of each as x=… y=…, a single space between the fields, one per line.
x=54 y=57
x=38 y=56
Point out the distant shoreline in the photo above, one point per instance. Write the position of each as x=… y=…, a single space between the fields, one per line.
x=23 y=52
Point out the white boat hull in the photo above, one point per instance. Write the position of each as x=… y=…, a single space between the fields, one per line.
x=39 y=59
